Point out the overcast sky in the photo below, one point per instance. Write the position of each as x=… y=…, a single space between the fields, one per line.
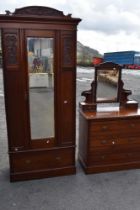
x=107 y=25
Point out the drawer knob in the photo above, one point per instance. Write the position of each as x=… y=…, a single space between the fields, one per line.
x=113 y=142
x=47 y=141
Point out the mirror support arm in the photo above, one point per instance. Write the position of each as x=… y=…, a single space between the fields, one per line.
x=89 y=94
x=90 y=103
x=124 y=101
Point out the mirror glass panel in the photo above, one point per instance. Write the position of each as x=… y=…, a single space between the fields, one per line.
x=41 y=86
x=107 y=85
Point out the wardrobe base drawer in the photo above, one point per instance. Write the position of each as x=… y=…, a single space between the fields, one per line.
x=42 y=163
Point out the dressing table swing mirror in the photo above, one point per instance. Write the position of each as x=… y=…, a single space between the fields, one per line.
x=39 y=66
x=109 y=123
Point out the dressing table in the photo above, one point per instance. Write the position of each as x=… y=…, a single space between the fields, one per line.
x=109 y=124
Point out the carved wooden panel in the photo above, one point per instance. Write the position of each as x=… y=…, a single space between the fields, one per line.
x=67 y=51
x=11 y=45
x=15 y=109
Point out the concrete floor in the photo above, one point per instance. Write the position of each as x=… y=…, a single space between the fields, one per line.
x=106 y=191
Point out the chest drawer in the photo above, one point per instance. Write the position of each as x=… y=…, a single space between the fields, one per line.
x=114 y=158
x=113 y=141
x=118 y=127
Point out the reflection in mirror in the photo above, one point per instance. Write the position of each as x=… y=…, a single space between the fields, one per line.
x=107 y=85
x=41 y=87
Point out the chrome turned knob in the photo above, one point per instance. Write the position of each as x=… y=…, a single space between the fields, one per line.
x=132 y=125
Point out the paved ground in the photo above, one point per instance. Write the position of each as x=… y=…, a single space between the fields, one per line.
x=105 y=191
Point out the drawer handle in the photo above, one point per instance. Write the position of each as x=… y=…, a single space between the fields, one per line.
x=113 y=142
x=103 y=141
x=58 y=158
x=27 y=161
x=104 y=127
x=131 y=139
x=129 y=154
x=132 y=125
x=102 y=157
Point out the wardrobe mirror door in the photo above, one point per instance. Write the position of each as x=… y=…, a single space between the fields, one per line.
x=40 y=52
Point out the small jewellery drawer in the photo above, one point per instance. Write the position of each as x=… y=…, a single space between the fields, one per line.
x=41 y=160
x=119 y=127
x=110 y=158
x=113 y=141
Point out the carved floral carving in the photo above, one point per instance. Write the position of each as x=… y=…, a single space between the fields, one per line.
x=10 y=42
x=68 y=51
